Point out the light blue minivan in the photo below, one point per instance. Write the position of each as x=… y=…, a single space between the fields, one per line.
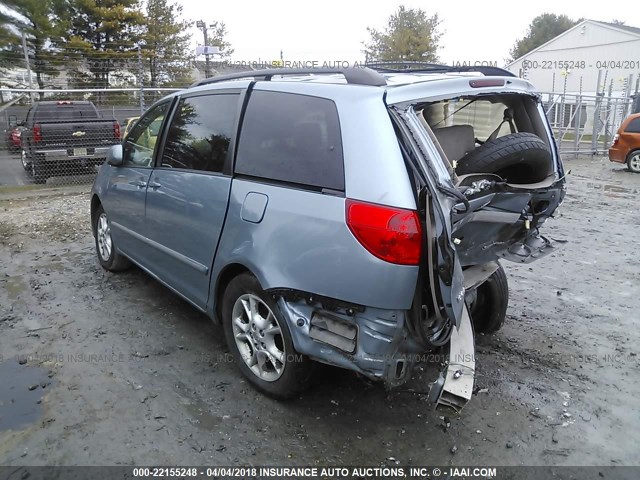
x=340 y=216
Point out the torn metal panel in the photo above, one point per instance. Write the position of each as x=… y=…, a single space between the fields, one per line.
x=454 y=388
x=533 y=248
x=371 y=341
x=477 y=274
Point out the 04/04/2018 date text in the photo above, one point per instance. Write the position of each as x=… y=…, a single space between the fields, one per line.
x=581 y=64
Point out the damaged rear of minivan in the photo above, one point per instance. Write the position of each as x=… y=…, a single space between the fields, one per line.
x=486 y=175
x=484 y=163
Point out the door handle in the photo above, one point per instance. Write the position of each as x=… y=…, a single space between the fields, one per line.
x=139 y=183
x=154 y=185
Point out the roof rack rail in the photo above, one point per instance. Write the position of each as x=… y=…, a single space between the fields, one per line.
x=355 y=76
x=425 y=67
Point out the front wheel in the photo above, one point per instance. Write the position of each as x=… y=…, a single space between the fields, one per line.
x=633 y=162
x=26 y=164
x=260 y=341
x=108 y=256
x=488 y=303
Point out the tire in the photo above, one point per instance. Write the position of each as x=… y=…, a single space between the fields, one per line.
x=26 y=164
x=39 y=172
x=488 y=309
x=633 y=161
x=518 y=158
x=281 y=373
x=106 y=251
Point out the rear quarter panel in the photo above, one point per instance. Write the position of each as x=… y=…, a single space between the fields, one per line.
x=303 y=243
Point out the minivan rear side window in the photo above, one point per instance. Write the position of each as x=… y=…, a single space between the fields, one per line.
x=634 y=126
x=291 y=138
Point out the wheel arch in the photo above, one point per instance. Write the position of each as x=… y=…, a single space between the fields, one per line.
x=225 y=276
x=95 y=203
x=631 y=153
x=627 y=160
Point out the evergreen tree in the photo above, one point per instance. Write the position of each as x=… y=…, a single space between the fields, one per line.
x=410 y=35
x=166 y=44
x=105 y=34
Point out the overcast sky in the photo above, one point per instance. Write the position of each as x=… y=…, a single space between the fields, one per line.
x=334 y=29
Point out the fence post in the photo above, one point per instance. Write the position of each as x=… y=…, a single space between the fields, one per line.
x=141 y=80
x=576 y=130
x=596 y=117
x=628 y=97
x=563 y=127
x=605 y=139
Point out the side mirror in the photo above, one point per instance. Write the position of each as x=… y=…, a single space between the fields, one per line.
x=114 y=155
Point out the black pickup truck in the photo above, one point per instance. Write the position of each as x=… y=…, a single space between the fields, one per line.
x=65 y=137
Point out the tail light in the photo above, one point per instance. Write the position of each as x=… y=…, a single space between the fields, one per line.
x=37 y=133
x=616 y=137
x=116 y=131
x=391 y=234
x=487 y=82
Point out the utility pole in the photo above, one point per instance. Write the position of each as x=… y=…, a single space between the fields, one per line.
x=26 y=59
x=203 y=26
x=141 y=80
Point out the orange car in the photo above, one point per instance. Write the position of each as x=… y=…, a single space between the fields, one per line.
x=626 y=144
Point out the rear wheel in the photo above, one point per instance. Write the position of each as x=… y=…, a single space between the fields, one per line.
x=39 y=172
x=633 y=161
x=488 y=303
x=260 y=342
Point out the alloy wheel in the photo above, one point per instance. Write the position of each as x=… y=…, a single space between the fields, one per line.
x=103 y=233
x=258 y=336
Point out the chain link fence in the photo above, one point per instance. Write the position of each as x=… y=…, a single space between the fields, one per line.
x=65 y=143
x=586 y=124
x=63 y=136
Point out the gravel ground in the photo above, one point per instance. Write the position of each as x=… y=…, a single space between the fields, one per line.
x=112 y=369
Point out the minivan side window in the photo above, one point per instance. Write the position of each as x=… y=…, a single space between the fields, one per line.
x=634 y=126
x=140 y=144
x=291 y=138
x=200 y=132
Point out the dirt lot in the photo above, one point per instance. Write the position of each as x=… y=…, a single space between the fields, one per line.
x=103 y=369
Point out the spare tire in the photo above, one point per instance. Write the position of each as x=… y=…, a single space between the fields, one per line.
x=518 y=158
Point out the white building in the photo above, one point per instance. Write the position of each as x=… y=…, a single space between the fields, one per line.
x=589 y=73
x=575 y=60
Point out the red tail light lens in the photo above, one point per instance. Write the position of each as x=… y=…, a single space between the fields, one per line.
x=391 y=234
x=116 y=130
x=37 y=133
